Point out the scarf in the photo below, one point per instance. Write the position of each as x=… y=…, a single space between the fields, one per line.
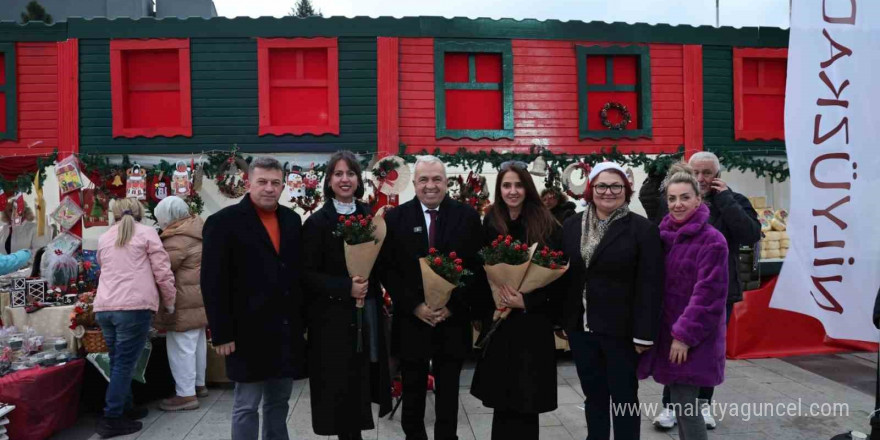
x=344 y=208
x=593 y=229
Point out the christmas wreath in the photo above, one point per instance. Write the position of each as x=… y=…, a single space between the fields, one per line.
x=625 y=116
x=232 y=176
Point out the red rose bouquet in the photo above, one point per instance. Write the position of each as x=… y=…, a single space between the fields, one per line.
x=546 y=267
x=362 y=237
x=506 y=262
x=440 y=275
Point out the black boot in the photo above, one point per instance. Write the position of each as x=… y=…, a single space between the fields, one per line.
x=351 y=436
x=112 y=427
x=136 y=413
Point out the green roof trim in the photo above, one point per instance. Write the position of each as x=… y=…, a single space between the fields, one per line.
x=438 y=27
x=11 y=31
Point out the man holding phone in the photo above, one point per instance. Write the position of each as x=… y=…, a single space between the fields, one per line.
x=732 y=215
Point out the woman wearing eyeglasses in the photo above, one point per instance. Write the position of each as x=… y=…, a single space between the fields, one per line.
x=613 y=302
x=517 y=373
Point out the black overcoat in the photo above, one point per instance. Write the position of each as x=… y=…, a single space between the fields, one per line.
x=253 y=294
x=343 y=382
x=518 y=369
x=458 y=230
x=624 y=281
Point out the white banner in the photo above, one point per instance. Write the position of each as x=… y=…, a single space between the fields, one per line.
x=832 y=136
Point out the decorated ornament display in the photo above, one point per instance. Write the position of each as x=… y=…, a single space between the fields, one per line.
x=471 y=190
x=18 y=210
x=180 y=182
x=390 y=175
x=575 y=179
x=63 y=244
x=67 y=173
x=136 y=184
x=36 y=290
x=232 y=178
x=160 y=189
x=311 y=198
x=295 y=185
x=67 y=214
x=625 y=116
x=95 y=208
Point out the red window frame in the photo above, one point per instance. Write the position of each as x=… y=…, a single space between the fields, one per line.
x=266 y=84
x=118 y=87
x=741 y=132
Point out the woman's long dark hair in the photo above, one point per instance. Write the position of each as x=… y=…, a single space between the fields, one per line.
x=351 y=160
x=539 y=222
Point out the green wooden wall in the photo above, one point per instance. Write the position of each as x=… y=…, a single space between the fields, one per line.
x=718 y=106
x=224 y=101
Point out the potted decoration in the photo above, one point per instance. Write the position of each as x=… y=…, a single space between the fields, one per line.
x=85 y=327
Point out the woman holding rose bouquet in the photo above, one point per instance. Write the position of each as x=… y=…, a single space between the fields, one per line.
x=517 y=373
x=348 y=364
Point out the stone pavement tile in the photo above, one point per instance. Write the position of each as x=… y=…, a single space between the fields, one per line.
x=481 y=425
x=219 y=413
x=554 y=433
x=754 y=391
x=548 y=419
x=576 y=386
x=173 y=425
x=759 y=374
x=566 y=394
x=390 y=429
x=210 y=431
x=561 y=380
x=572 y=418
x=567 y=371
x=649 y=386
x=465 y=378
x=649 y=432
x=472 y=405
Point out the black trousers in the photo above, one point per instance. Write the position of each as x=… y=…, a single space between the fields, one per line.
x=415 y=380
x=606 y=367
x=706 y=393
x=508 y=425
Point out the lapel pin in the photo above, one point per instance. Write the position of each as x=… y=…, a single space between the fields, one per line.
x=417 y=229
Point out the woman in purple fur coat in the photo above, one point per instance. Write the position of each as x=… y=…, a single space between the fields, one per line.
x=690 y=350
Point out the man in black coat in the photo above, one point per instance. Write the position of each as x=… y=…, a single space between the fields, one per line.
x=420 y=334
x=250 y=281
x=730 y=213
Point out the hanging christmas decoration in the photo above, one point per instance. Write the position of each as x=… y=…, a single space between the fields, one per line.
x=311 y=198
x=67 y=214
x=625 y=116
x=18 y=210
x=574 y=179
x=471 y=190
x=180 y=181
x=67 y=173
x=390 y=175
x=136 y=184
x=295 y=185
x=232 y=179
x=95 y=207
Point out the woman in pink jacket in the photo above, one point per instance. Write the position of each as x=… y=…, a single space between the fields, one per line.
x=135 y=276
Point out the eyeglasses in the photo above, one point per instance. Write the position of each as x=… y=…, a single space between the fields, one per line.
x=516 y=163
x=603 y=188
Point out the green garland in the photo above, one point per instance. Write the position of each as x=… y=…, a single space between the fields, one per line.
x=99 y=166
x=24 y=182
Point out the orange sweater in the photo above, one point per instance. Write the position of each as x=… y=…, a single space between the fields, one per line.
x=270 y=222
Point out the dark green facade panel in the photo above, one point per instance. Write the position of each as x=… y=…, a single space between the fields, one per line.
x=718 y=115
x=225 y=101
